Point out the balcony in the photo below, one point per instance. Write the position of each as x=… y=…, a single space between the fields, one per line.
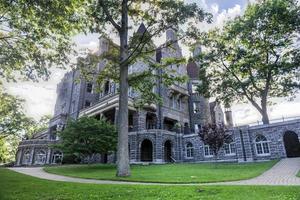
x=37 y=142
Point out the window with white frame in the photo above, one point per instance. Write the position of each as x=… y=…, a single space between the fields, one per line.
x=189 y=150
x=196 y=107
x=262 y=145
x=208 y=151
x=172 y=102
x=229 y=147
x=179 y=103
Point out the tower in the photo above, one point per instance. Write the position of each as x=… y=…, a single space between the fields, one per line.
x=228 y=116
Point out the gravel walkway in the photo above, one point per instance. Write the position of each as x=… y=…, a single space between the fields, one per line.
x=282 y=173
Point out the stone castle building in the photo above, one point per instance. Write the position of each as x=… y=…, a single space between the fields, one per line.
x=159 y=133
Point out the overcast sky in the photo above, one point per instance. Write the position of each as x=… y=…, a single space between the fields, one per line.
x=40 y=97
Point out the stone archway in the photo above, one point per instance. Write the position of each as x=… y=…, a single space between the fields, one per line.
x=291 y=143
x=146 y=151
x=168 y=151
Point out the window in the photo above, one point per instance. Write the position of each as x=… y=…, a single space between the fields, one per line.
x=196 y=128
x=63 y=108
x=89 y=87
x=73 y=106
x=172 y=102
x=27 y=157
x=229 y=147
x=106 y=87
x=207 y=151
x=196 y=107
x=262 y=145
x=194 y=88
x=40 y=157
x=179 y=103
x=189 y=150
x=130 y=92
x=87 y=104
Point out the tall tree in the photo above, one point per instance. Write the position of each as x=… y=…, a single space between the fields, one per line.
x=120 y=17
x=88 y=136
x=254 y=57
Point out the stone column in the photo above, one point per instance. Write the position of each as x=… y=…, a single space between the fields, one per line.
x=19 y=157
x=116 y=115
x=139 y=120
x=48 y=156
x=31 y=156
x=243 y=144
x=158 y=147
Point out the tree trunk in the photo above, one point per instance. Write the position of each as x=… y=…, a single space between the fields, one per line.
x=264 y=113
x=264 y=110
x=123 y=167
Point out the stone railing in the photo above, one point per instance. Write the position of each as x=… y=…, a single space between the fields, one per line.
x=154 y=131
x=37 y=142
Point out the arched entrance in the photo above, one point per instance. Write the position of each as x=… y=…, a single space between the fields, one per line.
x=291 y=143
x=146 y=151
x=168 y=151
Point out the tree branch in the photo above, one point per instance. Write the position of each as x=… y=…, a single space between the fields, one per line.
x=108 y=16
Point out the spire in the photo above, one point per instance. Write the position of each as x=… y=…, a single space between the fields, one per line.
x=142 y=29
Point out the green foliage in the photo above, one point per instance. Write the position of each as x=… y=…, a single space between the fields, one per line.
x=13 y=120
x=4 y=155
x=214 y=136
x=255 y=56
x=87 y=136
x=35 y=35
x=34 y=127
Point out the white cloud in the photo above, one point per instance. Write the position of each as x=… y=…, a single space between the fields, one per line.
x=39 y=97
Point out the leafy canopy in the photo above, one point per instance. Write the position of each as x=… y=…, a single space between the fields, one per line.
x=87 y=136
x=35 y=35
x=255 y=56
x=215 y=136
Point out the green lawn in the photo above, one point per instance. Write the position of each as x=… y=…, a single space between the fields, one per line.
x=15 y=186
x=171 y=173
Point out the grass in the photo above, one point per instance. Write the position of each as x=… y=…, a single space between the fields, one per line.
x=171 y=173
x=15 y=186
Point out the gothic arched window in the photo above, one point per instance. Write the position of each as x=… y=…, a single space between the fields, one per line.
x=262 y=145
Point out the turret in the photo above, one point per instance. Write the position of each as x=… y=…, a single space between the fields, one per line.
x=228 y=116
x=103 y=45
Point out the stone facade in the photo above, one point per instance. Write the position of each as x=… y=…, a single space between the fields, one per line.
x=159 y=133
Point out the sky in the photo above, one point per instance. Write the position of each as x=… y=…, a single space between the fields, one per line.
x=40 y=97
